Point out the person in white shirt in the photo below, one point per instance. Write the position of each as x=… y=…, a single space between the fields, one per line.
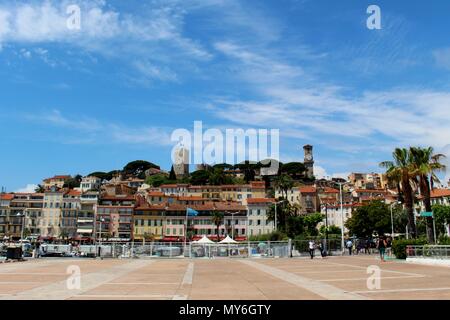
x=312 y=248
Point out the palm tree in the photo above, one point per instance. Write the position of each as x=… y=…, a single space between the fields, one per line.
x=425 y=164
x=401 y=169
x=284 y=182
x=39 y=189
x=217 y=219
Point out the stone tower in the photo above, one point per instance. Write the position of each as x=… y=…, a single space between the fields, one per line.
x=309 y=161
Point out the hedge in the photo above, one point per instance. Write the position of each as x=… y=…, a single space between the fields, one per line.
x=399 y=246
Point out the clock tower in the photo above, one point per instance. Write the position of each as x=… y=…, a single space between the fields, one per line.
x=309 y=161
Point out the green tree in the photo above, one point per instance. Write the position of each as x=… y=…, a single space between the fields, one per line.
x=425 y=164
x=217 y=219
x=200 y=177
x=73 y=182
x=293 y=169
x=172 y=175
x=442 y=216
x=401 y=168
x=39 y=189
x=374 y=217
x=284 y=183
x=157 y=180
x=331 y=230
x=137 y=168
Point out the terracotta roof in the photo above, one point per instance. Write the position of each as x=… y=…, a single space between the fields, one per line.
x=259 y=200
x=159 y=207
x=73 y=193
x=307 y=189
x=258 y=184
x=169 y=186
x=229 y=206
x=118 y=198
x=7 y=196
x=438 y=193
x=370 y=190
x=58 y=177
x=191 y=198
x=156 y=194
x=330 y=190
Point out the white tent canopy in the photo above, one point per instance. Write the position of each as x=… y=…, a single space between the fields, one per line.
x=228 y=240
x=204 y=240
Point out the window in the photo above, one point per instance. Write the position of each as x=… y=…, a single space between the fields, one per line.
x=259 y=222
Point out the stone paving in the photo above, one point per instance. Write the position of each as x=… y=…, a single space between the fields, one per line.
x=335 y=278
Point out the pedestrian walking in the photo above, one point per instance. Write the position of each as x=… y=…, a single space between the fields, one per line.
x=323 y=253
x=349 y=246
x=381 y=245
x=389 y=247
x=367 y=247
x=312 y=248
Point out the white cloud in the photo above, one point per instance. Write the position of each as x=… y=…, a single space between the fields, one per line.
x=291 y=98
x=86 y=130
x=321 y=173
x=154 y=33
x=30 y=188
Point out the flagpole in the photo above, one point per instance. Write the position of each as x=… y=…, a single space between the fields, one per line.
x=185 y=231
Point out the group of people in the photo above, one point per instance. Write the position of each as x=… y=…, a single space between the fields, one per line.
x=383 y=244
x=313 y=246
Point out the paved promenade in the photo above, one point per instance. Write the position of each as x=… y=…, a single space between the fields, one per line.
x=222 y=279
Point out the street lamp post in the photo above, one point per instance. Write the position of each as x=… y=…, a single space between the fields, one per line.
x=392 y=218
x=232 y=223
x=342 y=216
x=100 y=236
x=276 y=225
x=22 y=215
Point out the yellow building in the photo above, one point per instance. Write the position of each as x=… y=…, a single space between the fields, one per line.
x=149 y=222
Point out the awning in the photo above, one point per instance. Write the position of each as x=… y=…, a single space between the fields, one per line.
x=84 y=230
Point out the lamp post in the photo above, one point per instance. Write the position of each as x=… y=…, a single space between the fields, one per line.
x=100 y=235
x=276 y=203
x=342 y=215
x=232 y=222
x=392 y=218
x=326 y=226
x=22 y=215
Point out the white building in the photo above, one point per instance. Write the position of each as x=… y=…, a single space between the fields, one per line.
x=258 y=222
x=90 y=183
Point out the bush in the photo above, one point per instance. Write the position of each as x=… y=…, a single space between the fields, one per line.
x=444 y=240
x=399 y=246
x=274 y=236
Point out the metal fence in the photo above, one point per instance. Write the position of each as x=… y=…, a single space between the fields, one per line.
x=428 y=251
x=269 y=249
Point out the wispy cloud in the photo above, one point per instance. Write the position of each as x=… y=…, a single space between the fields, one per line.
x=85 y=130
x=323 y=110
x=152 y=36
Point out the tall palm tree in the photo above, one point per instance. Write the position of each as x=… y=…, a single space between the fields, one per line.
x=284 y=182
x=217 y=219
x=425 y=164
x=401 y=168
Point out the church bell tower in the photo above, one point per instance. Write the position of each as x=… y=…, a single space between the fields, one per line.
x=309 y=161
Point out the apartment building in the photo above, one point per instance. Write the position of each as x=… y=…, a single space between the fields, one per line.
x=51 y=214
x=70 y=209
x=258 y=222
x=114 y=216
x=86 y=216
x=56 y=181
x=368 y=180
x=5 y=228
x=90 y=183
x=333 y=214
x=149 y=221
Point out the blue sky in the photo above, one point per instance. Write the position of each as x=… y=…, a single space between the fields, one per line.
x=94 y=99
